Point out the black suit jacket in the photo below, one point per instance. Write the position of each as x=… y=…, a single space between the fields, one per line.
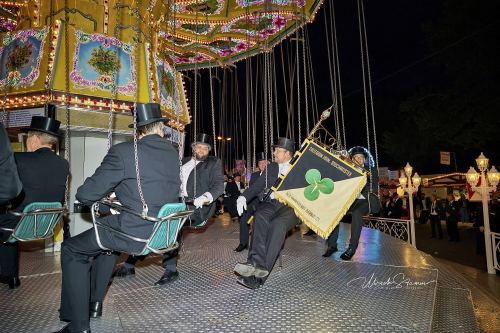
x=160 y=181
x=43 y=175
x=11 y=185
x=258 y=188
x=209 y=178
x=374 y=201
x=254 y=177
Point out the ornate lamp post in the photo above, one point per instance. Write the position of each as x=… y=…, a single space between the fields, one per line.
x=489 y=182
x=410 y=185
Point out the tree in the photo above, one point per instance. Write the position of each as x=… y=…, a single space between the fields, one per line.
x=461 y=113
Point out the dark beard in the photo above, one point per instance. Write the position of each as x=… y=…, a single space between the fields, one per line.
x=198 y=158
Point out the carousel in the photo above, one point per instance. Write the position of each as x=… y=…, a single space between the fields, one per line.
x=87 y=63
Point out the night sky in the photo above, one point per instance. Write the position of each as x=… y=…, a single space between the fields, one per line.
x=400 y=66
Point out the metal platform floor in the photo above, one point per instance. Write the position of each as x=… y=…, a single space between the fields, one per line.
x=387 y=287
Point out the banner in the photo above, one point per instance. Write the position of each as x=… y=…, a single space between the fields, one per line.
x=444 y=157
x=320 y=187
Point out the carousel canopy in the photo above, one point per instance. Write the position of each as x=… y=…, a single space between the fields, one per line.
x=217 y=32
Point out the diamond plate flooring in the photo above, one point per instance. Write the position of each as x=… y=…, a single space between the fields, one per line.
x=387 y=287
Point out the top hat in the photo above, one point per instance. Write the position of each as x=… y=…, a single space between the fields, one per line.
x=285 y=143
x=260 y=157
x=148 y=113
x=358 y=150
x=203 y=139
x=44 y=125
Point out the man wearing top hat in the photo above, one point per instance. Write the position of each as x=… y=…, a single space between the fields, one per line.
x=272 y=220
x=43 y=176
x=262 y=163
x=366 y=203
x=84 y=280
x=202 y=178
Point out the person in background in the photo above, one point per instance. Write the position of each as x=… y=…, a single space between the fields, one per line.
x=435 y=217
x=452 y=210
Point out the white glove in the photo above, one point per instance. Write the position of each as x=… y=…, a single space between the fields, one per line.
x=241 y=204
x=200 y=201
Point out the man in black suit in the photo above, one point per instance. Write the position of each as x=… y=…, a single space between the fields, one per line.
x=85 y=280
x=11 y=185
x=43 y=175
x=233 y=191
x=395 y=207
x=366 y=203
x=272 y=220
x=202 y=179
x=452 y=210
x=262 y=163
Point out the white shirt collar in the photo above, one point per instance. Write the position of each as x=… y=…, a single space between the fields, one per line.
x=186 y=170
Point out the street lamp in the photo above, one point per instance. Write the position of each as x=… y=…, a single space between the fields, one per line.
x=491 y=177
x=410 y=185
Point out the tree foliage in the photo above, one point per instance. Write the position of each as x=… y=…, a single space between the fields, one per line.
x=461 y=112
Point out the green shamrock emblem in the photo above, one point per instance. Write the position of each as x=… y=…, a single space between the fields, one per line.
x=317 y=185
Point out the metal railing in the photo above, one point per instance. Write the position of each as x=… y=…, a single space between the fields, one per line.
x=396 y=228
x=495 y=245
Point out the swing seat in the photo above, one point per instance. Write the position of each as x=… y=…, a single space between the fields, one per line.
x=38 y=220
x=166 y=227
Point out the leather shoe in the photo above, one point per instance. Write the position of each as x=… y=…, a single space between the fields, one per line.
x=168 y=277
x=329 y=251
x=348 y=254
x=95 y=309
x=240 y=248
x=66 y=329
x=12 y=281
x=248 y=269
x=250 y=282
x=123 y=271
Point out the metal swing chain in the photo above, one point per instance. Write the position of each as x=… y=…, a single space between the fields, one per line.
x=114 y=87
x=66 y=102
x=311 y=79
x=180 y=142
x=270 y=99
x=213 y=110
x=370 y=88
x=331 y=71
x=136 y=157
x=335 y=74
x=297 y=64
x=276 y=97
x=266 y=130
x=364 y=85
x=336 y=52
x=305 y=80
x=250 y=162
x=4 y=110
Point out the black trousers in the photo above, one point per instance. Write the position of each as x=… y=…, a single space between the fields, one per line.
x=424 y=216
x=436 y=223
x=9 y=252
x=244 y=227
x=272 y=221
x=452 y=229
x=359 y=209
x=86 y=271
